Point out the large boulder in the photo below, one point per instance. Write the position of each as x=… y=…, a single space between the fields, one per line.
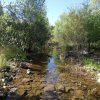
x=26 y=65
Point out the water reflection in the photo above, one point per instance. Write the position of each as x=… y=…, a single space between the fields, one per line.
x=51 y=76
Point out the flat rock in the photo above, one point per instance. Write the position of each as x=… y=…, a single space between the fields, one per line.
x=13 y=89
x=21 y=92
x=60 y=87
x=27 y=80
x=23 y=65
x=49 y=88
x=26 y=65
x=2 y=94
x=67 y=89
x=78 y=94
x=34 y=67
x=42 y=86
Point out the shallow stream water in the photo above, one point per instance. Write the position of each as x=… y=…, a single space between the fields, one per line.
x=51 y=79
x=51 y=75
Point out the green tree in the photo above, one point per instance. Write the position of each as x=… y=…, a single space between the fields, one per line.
x=30 y=22
x=91 y=24
x=23 y=25
x=69 y=30
x=79 y=28
x=95 y=3
x=1 y=9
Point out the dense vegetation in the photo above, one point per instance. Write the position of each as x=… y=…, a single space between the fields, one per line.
x=24 y=28
x=42 y=62
x=79 y=28
x=78 y=31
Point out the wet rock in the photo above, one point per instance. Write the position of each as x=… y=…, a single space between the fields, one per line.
x=10 y=78
x=2 y=95
x=26 y=65
x=68 y=89
x=21 y=92
x=98 y=80
x=3 y=79
x=4 y=87
x=28 y=87
x=50 y=95
x=13 y=89
x=23 y=65
x=43 y=80
x=6 y=69
x=7 y=75
x=61 y=88
x=35 y=98
x=79 y=98
x=78 y=94
x=7 y=79
x=94 y=93
x=49 y=88
x=38 y=92
x=13 y=65
x=49 y=98
x=12 y=96
x=34 y=67
x=91 y=98
x=16 y=70
x=28 y=71
x=5 y=84
x=84 y=87
x=46 y=70
x=42 y=86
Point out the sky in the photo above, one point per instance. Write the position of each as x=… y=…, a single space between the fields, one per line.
x=57 y=7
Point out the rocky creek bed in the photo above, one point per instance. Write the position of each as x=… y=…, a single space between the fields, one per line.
x=35 y=82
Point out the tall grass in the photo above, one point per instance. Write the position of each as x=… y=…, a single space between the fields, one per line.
x=56 y=54
x=10 y=53
x=3 y=60
x=91 y=63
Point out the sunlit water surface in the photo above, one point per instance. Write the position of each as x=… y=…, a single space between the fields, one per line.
x=51 y=75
